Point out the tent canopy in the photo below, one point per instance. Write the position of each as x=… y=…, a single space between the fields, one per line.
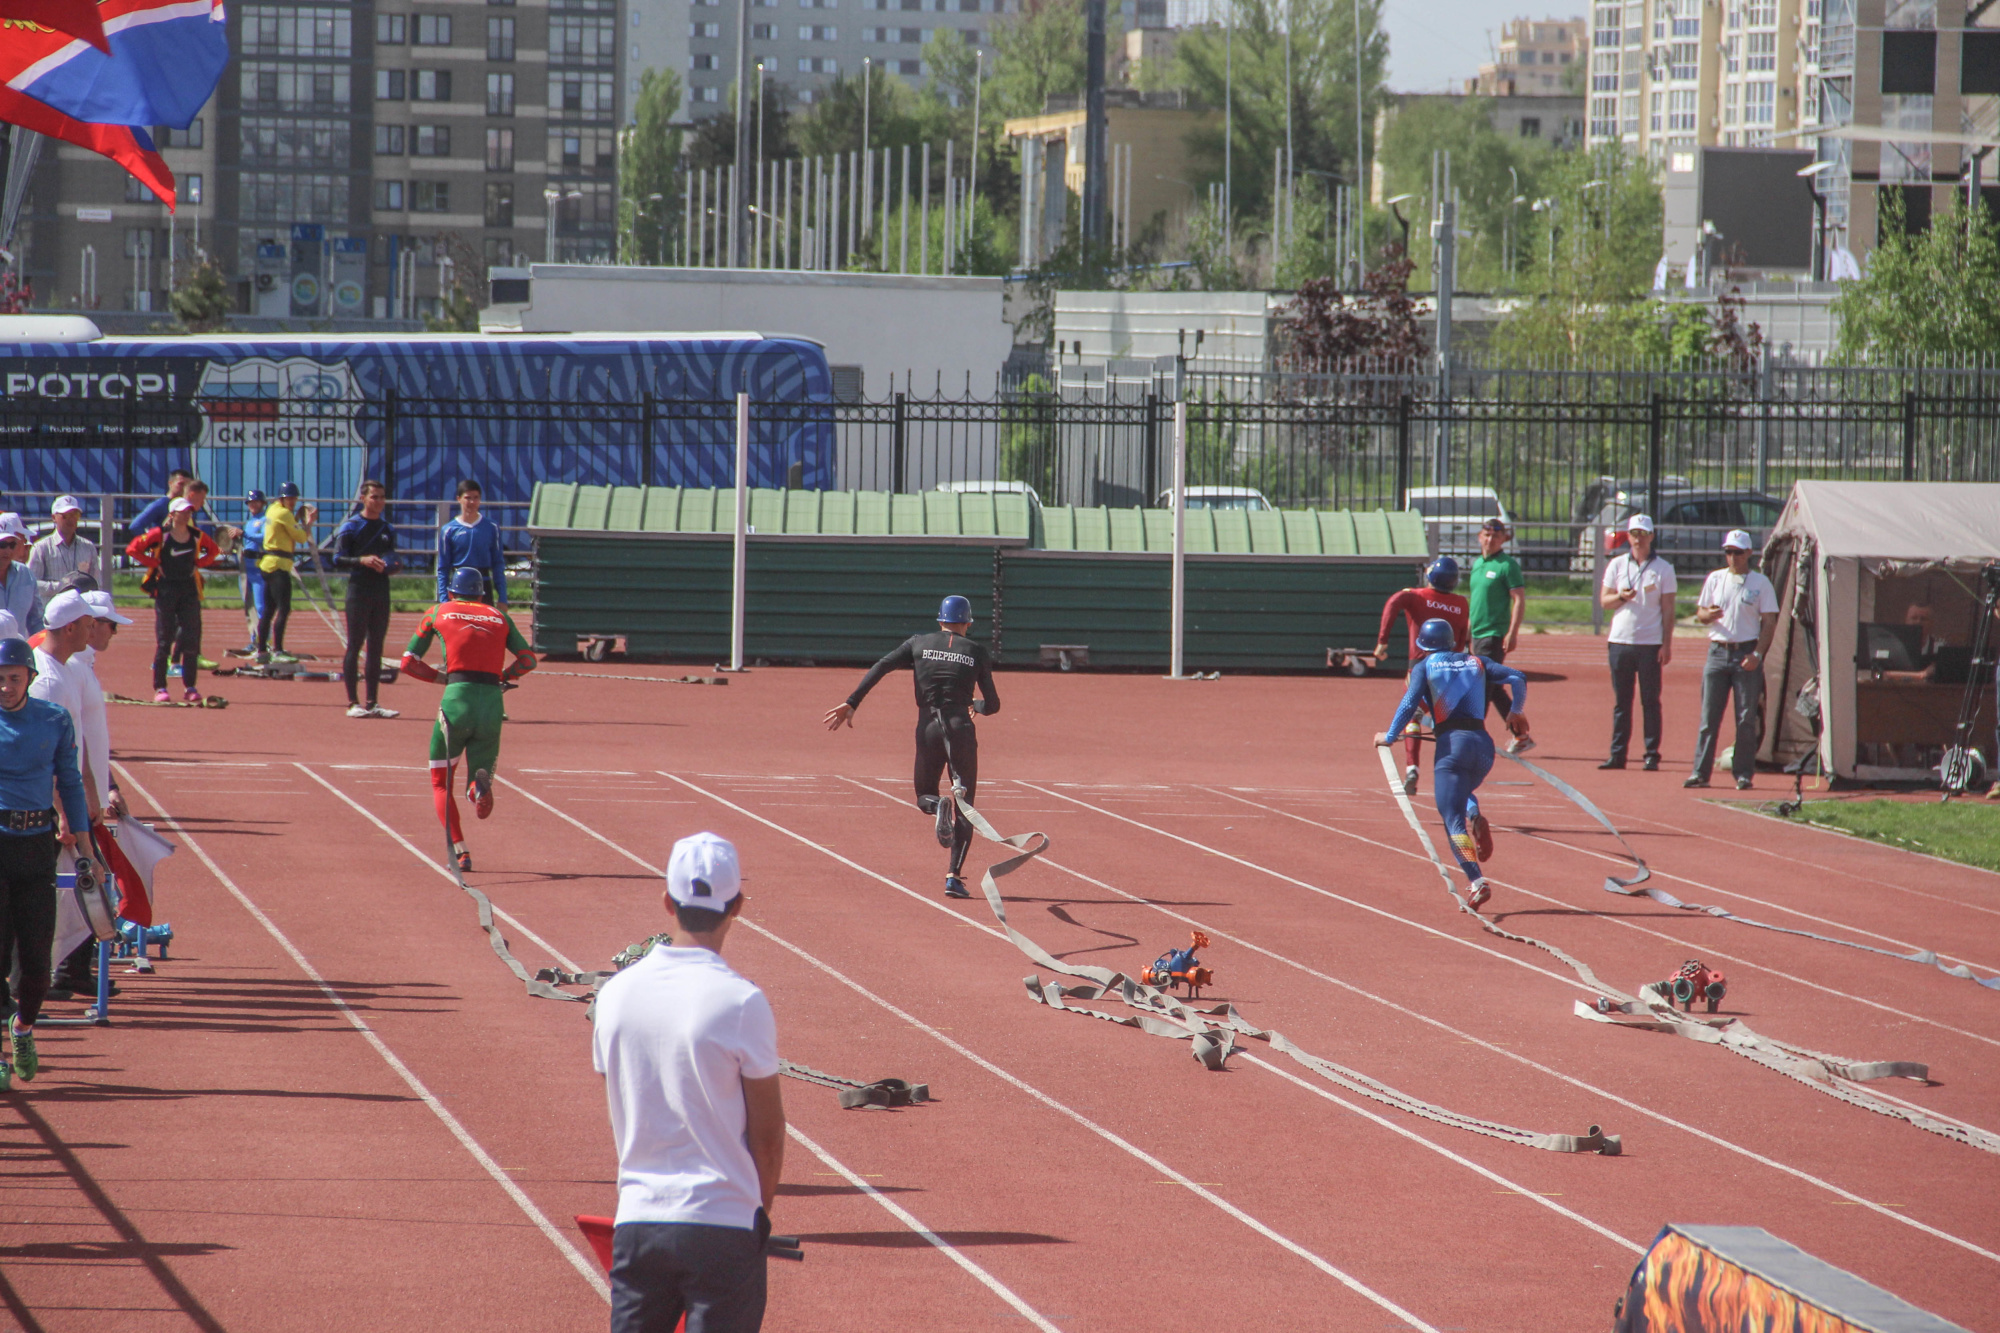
x=1948 y=522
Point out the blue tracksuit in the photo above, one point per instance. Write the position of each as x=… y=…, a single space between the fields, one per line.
x=1451 y=687
x=477 y=546
x=252 y=552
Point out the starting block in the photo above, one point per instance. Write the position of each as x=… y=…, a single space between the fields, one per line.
x=1065 y=656
x=1354 y=661
x=1704 y=1279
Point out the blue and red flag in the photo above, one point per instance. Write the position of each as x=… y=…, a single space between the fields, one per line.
x=78 y=18
x=129 y=146
x=165 y=59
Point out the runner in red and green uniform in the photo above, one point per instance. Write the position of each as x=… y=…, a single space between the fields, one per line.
x=477 y=638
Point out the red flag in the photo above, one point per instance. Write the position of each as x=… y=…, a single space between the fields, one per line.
x=78 y=18
x=132 y=853
x=128 y=146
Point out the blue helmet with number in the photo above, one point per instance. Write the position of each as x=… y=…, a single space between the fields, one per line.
x=1443 y=574
x=16 y=653
x=954 y=610
x=1435 y=636
x=468 y=582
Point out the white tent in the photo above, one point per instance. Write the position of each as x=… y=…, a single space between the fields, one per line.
x=1903 y=556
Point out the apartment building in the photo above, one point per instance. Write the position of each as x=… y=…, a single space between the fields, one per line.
x=356 y=160
x=1677 y=74
x=1534 y=58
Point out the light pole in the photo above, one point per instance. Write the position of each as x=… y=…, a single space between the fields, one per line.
x=1507 y=241
x=1229 y=133
x=1360 y=172
x=1810 y=175
x=1546 y=205
x=978 y=85
x=553 y=197
x=739 y=184
x=1401 y=221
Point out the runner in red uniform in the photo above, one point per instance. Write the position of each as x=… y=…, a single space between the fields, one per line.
x=1433 y=600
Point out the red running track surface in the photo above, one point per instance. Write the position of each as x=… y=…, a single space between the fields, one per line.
x=236 y=1152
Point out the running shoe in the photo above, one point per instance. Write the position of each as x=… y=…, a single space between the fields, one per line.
x=261 y=659
x=204 y=663
x=356 y=710
x=27 y=1063
x=162 y=697
x=1482 y=837
x=190 y=696
x=1520 y=745
x=465 y=863
x=1410 y=780
x=376 y=710
x=282 y=656
x=946 y=812
x=6 y=1076
x=1480 y=891
x=480 y=792
x=954 y=887
x=1743 y=784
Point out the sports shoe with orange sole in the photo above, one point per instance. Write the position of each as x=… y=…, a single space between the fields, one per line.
x=1482 y=837
x=480 y=790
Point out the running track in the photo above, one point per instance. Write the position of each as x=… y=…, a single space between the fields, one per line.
x=333 y=1097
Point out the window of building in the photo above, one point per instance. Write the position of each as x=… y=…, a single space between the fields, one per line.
x=499 y=203
x=1658 y=121
x=430 y=197
x=912 y=67
x=500 y=39
x=389 y=195
x=500 y=251
x=709 y=95
x=499 y=94
x=1681 y=110
x=819 y=4
x=1911 y=160
x=1531 y=127
x=1760 y=51
x=1730 y=93
x=308 y=30
x=431 y=30
x=818 y=65
x=1732 y=54
x=761 y=32
x=300 y=87
x=573 y=92
x=285 y=141
x=499 y=149
x=588 y=38
x=582 y=152
x=1603 y=117
x=137 y=193
x=1909 y=62
x=389 y=85
x=166 y=136
x=1760 y=103
x=430 y=85
x=1683 y=60
x=708 y=30
x=190 y=183
x=389 y=141
x=264 y=196
x=817 y=33
x=391 y=29
x=430 y=141
x=1978 y=63
x=707 y=61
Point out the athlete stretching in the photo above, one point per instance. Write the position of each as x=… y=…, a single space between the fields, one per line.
x=1451 y=687
x=1433 y=600
x=947 y=665
x=476 y=639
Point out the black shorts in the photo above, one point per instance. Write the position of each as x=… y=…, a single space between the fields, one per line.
x=1493 y=646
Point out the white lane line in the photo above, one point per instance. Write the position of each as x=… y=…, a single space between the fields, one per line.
x=1216 y=1200
x=951 y=1252
x=413 y=850
x=1834 y=991
x=589 y=1268
x=1324 y=893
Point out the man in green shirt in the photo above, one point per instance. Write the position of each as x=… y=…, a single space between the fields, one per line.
x=1498 y=593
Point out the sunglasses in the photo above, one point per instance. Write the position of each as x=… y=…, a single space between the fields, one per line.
x=10 y=541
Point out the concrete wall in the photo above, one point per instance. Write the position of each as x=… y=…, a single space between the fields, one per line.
x=903 y=332
x=1146 y=324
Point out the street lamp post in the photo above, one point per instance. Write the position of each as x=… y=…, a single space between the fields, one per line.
x=1810 y=175
x=1401 y=221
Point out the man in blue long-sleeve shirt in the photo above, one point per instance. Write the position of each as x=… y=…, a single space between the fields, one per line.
x=1452 y=688
x=38 y=763
x=18 y=592
x=365 y=546
x=471 y=542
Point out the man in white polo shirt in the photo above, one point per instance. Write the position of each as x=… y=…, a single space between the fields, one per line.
x=1639 y=592
x=1740 y=608
x=689 y=1054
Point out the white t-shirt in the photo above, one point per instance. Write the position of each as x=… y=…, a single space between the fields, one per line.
x=1640 y=620
x=94 y=732
x=675 y=1035
x=1743 y=599
x=59 y=683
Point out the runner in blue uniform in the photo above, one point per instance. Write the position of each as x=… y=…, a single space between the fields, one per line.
x=1452 y=687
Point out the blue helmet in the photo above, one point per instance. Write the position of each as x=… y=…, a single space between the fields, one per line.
x=16 y=653
x=289 y=491
x=468 y=582
x=1443 y=574
x=955 y=610
x=254 y=498
x=1435 y=636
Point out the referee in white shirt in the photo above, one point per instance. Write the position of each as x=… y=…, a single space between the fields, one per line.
x=1639 y=592
x=689 y=1054
x=1740 y=608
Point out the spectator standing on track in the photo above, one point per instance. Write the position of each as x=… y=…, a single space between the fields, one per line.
x=250 y=579
x=154 y=515
x=18 y=592
x=1497 y=592
x=946 y=666
x=63 y=552
x=58 y=677
x=365 y=546
x=1452 y=687
x=173 y=555
x=1740 y=608
x=78 y=972
x=38 y=759
x=1432 y=600
x=689 y=1054
x=477 y=638
x=283 y=534
x=1639 y=592
x=472 y=541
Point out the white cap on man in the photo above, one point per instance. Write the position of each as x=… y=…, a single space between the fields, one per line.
x=1639 y=523
x=703 y=872
x=1738 y=540
x=65 y=608
x=12 y=526
x=65 y=504
x=104 y=608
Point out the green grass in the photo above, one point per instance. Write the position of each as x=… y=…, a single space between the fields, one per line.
x=1966 y=830
x=1564 y=602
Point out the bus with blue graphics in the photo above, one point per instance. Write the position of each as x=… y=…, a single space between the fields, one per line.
x=115 y=415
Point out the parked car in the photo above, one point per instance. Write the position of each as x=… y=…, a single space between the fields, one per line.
x=1219 y=497
x=994 y=488
x=1452 y=516
x=1688 y=525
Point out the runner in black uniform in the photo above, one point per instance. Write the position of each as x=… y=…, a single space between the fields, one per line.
x=947 y=666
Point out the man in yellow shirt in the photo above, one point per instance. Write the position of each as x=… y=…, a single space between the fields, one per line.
x=282 y=535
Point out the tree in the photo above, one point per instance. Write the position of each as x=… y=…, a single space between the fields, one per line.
x=649 y=176
x=714 y=142
x=1928 y=296
x=1037 y=54
x=1322 y=327
x=1489 y=171
x=202 y=303
x=459 y=307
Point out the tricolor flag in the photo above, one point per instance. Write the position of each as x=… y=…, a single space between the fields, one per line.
x=128 y=146
x=166 y=57
x=78 y=18
x=132 y=854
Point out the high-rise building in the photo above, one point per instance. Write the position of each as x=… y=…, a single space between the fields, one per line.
x=1668 y=74
x=1534 y=58
x=356 y=160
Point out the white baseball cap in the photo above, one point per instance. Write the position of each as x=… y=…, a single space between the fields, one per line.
x=1639 y=523
x=702 y=872
x=180 y=505
x=1738 y=540
x=65 y=608
x=65 y=504
x=12 y=526
x=104 y=608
